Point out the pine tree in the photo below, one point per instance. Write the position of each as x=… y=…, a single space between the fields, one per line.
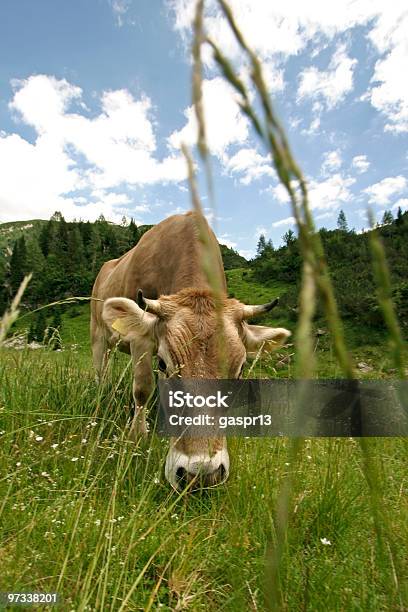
x=260 y=249
x=95 y=250
x=57 y=216
x=86 y=231
x=269 y=248
x=111 y=244
x=399 y=220
x=387 y=218
x=62 y=244
x=342 y=222
x=75 y=249
x=289 y=238
x=48 y=239
x=18 y=264
x=35 y=264
x=133 y=234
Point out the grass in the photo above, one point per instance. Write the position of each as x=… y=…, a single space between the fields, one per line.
x=88 y=513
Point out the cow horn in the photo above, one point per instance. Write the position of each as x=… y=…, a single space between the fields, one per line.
x=252 y=311
x=152 y=306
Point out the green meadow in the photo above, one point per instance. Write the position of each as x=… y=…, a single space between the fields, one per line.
x=87 y=513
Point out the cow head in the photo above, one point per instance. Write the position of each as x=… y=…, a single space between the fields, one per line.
x=185 y=329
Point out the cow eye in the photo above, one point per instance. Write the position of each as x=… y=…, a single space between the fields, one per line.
x=161 y=365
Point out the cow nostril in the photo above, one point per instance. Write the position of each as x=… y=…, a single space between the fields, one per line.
x=181 y=475
x=223 y=472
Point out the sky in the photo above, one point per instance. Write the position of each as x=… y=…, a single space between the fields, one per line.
x=95 y=99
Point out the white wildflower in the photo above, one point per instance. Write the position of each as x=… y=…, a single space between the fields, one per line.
x=325 y=542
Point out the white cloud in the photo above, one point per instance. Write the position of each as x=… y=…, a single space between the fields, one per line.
x=260 y=229
x=224 y=120
x=313 y=127
x=294 y=122
x=330 y=85
x=331 y=161
x=110 y=198
x=327 y=194
x=331 y=192
x=286 y=221
x=273 y=28
x=389 y=93
x=326 y=215
x=278 y=30
x=177 y=210
x=273 y=76
x=116 y=148
x=247 y=253
x=249 y=165
x=280 y=193
x=225 y=239
x=141 y=208
x=41 y=101
x=360 y=163
x=383 y=192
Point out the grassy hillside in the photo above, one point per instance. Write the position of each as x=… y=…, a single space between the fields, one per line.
x=9 y=232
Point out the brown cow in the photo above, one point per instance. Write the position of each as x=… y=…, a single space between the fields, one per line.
x=175 y=318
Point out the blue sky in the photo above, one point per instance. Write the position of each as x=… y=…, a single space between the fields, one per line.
x=95 y=100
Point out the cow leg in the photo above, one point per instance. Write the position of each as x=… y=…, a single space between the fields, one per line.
x=99 y=357
x=143 y=384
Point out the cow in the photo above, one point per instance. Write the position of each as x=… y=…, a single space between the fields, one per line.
x=156 y=300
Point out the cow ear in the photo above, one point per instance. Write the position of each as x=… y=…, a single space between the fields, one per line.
x=124 y=317
x=272 y=337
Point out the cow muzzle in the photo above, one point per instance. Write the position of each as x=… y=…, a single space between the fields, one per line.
x=196 y=472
